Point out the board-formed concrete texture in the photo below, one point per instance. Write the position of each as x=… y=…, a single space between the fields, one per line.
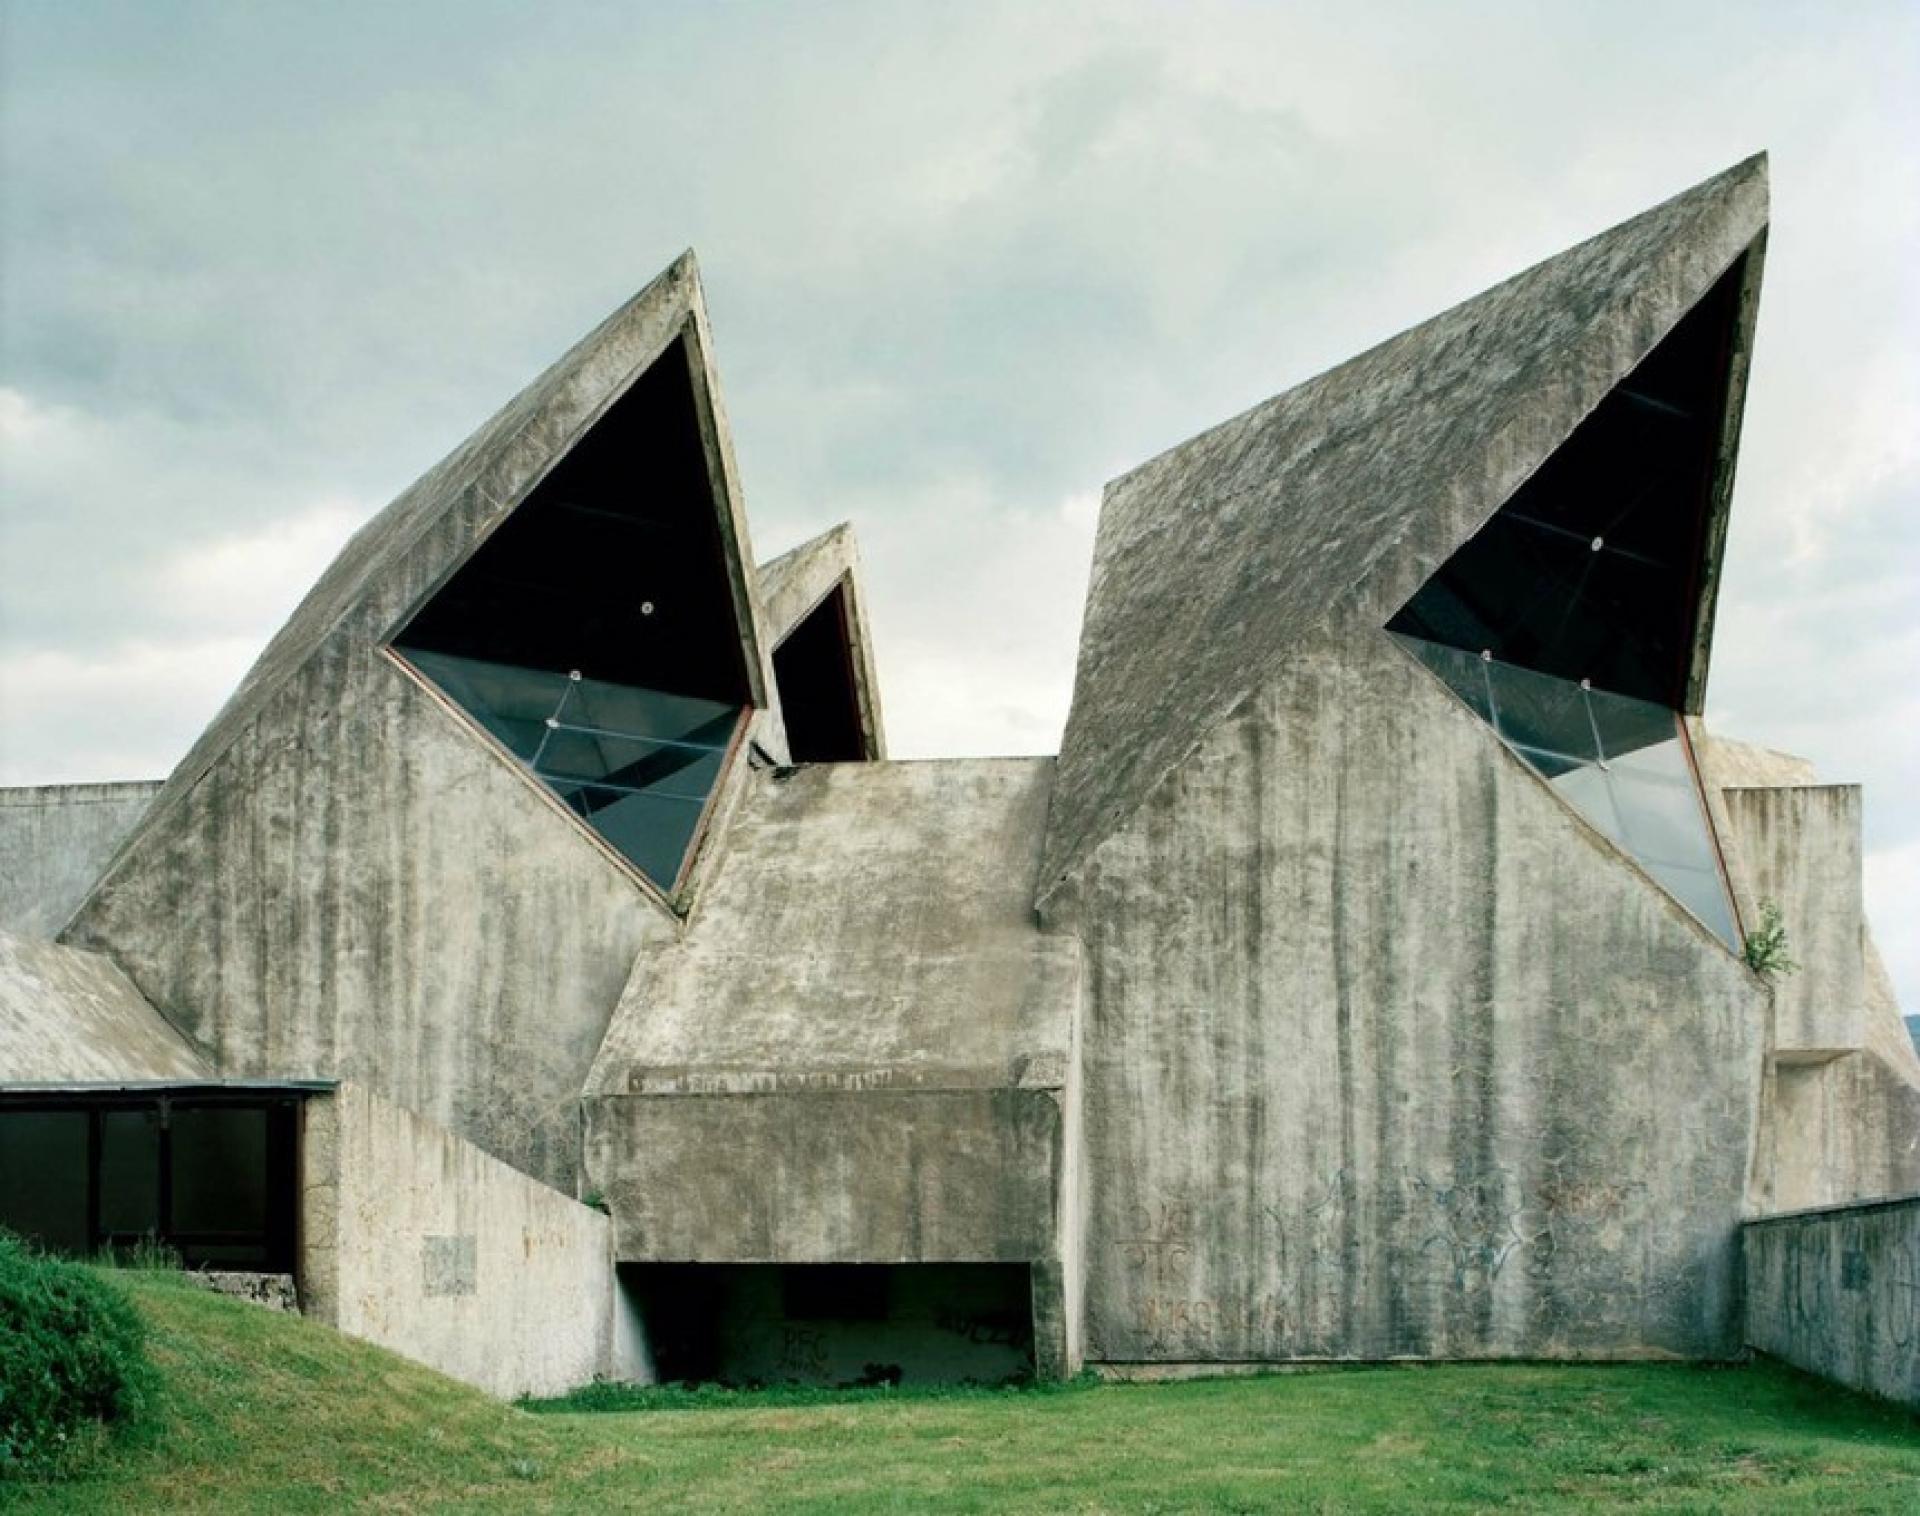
x=1361 y=1084
x=418 y=1241
x=1836 y=1291
x=1364 y=980
x=68 y=1016
x=55 y=841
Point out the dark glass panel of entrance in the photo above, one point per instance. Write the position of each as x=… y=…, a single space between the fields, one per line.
x=594 y=634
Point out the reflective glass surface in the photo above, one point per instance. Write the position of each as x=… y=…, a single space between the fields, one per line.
x=636 y=765
x=1620 y=762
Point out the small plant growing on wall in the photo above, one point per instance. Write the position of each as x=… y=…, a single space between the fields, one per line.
x=1766 y=948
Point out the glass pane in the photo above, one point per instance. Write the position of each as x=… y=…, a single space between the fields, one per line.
x=1702 y=893
x=651 y=830
x=599 y=745
x=512 y=704
x=1540 y=711
x=130 y=1172
x=43 y=1178
x=1627 y=725
x=1589 y=792
x=1463 y=673
x=219 y=1170
x=1663 y=820
x=652 y=713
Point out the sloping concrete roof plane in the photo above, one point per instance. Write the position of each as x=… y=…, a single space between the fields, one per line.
x=66 y=1015
x=1333 y=502
x=870 y=926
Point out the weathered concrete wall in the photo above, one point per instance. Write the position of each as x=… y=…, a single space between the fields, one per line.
x=54 y=841
x=1837 y=1292
x=861 y=1051
x=417 y=1240
x=361 y=889
x=1799 y=847
x=834 y=1176
x=1387 y=1053
x=1839 y=1130
x=66 y=1015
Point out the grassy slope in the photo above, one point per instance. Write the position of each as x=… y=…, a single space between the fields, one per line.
x=270 y=1412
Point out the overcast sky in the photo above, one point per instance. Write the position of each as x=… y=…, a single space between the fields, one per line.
x=261 y=265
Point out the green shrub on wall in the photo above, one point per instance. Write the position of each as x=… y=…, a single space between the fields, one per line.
x=73 y=1360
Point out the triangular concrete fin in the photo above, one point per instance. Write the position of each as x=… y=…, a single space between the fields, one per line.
x=1333 y=502
x=393 y=564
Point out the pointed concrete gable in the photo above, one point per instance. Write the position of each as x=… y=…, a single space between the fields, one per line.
x=813 y=607
x=1333 y=503
x=395 y=565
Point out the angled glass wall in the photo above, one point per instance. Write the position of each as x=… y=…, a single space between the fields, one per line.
x=1567 y=623
x=636 y=765
x=1621 y=763
x=595 y=634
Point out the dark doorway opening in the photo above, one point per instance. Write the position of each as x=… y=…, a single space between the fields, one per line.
x=836 y=1324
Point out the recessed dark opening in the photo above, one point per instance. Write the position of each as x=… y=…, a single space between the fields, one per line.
x=212 y=1176
x=594 y=635
x=819 y=696
x=1592 y=569
x=836 y=1324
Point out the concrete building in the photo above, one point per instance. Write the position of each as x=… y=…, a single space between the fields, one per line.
x=1364 y=979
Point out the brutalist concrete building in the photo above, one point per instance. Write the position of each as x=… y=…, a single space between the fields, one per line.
x=540 y=960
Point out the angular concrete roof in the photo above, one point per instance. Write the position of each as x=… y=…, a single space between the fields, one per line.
x=870 y=926
x=1333 y=502
x=407 y=551
x=66 y=1015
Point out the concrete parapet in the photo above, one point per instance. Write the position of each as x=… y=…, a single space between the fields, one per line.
x=414 y=1239
x=1837 y=1292
x=55 y=839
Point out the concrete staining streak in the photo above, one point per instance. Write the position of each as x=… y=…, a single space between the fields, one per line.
x=72 y=1016
x=1332 y=503
x=1389 y=1054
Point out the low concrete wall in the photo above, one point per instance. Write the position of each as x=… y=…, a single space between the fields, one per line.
x=415 y=1239
x=1837 y=1292
x=54 y=841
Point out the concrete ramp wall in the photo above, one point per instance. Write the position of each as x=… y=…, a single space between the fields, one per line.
x=1837 y=1292
x=415 y=1239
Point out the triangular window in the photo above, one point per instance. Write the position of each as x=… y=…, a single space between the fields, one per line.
x=1568 y=622
x=594 y=634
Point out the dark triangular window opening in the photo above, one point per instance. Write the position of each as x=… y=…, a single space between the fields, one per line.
x=1568 y=622
x=819 y=689
x=594 y=635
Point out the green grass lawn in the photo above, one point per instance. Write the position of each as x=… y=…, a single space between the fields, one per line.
x=265 y=1412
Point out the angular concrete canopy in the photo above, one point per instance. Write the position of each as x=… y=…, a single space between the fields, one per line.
x=1331 y=504
x=393 y=566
